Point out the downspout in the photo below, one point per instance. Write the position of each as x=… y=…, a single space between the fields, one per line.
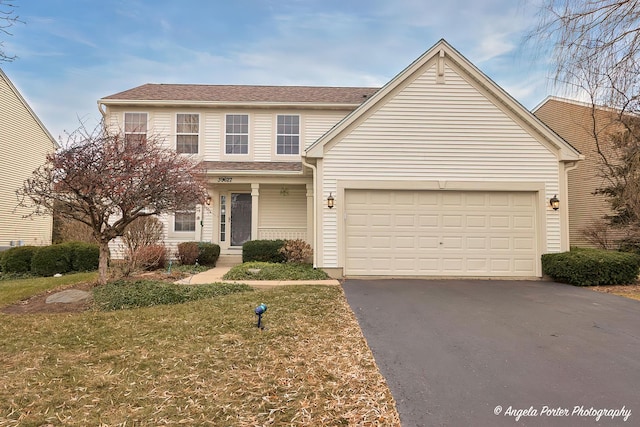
x=102 y=112
x=568 y=166
x=315 y=211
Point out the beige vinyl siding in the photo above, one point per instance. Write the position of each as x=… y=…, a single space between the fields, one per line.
x=283 y=212
x=438 y=132
x=318 y=123
x=262 y=137
x=212 y=144
x=24 y=145
x=162 y=123
x=573 y=122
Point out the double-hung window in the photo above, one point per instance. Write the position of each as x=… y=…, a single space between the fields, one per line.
x=187 y=133
x=288 y=135
x=185 y=220
x=237 y=134
x=135 y=127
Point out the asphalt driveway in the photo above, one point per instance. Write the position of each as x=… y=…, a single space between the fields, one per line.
x=458 y=352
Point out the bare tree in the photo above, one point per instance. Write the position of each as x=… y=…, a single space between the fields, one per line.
x=8 y=19
x=597 y=41
x=107 y=182
x=596 y=52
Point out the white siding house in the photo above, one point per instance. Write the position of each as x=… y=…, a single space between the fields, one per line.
x=24 y=144
x=441 y=173
x=438 y=173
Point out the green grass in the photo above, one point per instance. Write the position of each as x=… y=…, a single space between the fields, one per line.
x=124 y=294
x=199 y=363
x=19 y=289
x=273 y=271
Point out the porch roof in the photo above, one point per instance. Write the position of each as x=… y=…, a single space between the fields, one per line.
x=223 y=167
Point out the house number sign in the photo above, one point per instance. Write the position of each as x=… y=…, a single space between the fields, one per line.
x=225 y=179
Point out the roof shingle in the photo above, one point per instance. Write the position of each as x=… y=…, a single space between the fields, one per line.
x=212 y=166
x=229 y=93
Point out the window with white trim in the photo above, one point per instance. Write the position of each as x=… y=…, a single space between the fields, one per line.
x=237 y=134
x=187 y=133
x=135 y=127
x=185 y=220
x=223 y=218
x=288 y=134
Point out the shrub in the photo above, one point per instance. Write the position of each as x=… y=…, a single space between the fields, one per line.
x=263 y=250
x=64 y=258
x=271 y=271
x=592 y=267
x=84 y=256
x=143 y=293
x=188 y=253
x=208 y=253
x=50 y=260
x=297 y=251
x=151 y=257
x=143 y=231
x=18 y=259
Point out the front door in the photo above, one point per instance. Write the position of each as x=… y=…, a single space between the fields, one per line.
x=240 y=218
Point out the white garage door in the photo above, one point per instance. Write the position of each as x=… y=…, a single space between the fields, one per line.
x=440 y=233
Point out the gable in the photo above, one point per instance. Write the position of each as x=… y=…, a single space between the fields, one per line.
x=440 y=97
x=18 y=109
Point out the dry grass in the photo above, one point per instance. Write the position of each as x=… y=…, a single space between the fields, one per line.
x=628 y=291
x=200 y=363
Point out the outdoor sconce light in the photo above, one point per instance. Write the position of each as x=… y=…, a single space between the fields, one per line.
x=554 y=202
x=330 y=201
x=208 y=201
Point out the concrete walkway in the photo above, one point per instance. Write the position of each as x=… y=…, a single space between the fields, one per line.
x=226 y=262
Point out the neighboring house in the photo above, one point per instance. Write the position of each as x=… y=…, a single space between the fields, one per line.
x=438 y=173
x=576 y=122
x=24 y=145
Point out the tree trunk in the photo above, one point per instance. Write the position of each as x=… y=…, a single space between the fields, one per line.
x=103 y=262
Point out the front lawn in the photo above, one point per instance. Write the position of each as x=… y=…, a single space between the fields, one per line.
x=18 y=289
x=274 y=271
x=200 y=363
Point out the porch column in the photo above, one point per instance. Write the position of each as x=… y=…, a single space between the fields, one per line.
x=310 y=231
x=255 y=195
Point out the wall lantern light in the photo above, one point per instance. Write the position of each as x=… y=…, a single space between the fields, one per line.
x=208 y=200
x=330 y=201
x=554 y=202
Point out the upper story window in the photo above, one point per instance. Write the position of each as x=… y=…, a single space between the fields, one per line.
x=135 y=126
x=185 y=220
x=237 y=134
x=288 y=135
x=187 y=132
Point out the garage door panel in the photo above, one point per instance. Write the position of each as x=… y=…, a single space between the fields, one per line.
x=524 y=243
x=477 y=243
x=428 y=221
x=499 y=222
x=440 y=233
x=478 y=265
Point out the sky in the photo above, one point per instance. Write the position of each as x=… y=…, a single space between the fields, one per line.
x=70 y=53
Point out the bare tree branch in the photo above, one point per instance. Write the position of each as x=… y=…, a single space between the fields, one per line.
x=8 y=19
x=106 y=182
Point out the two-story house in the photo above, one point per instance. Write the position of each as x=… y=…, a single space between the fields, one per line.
x=24 y=145
x=440 y=172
